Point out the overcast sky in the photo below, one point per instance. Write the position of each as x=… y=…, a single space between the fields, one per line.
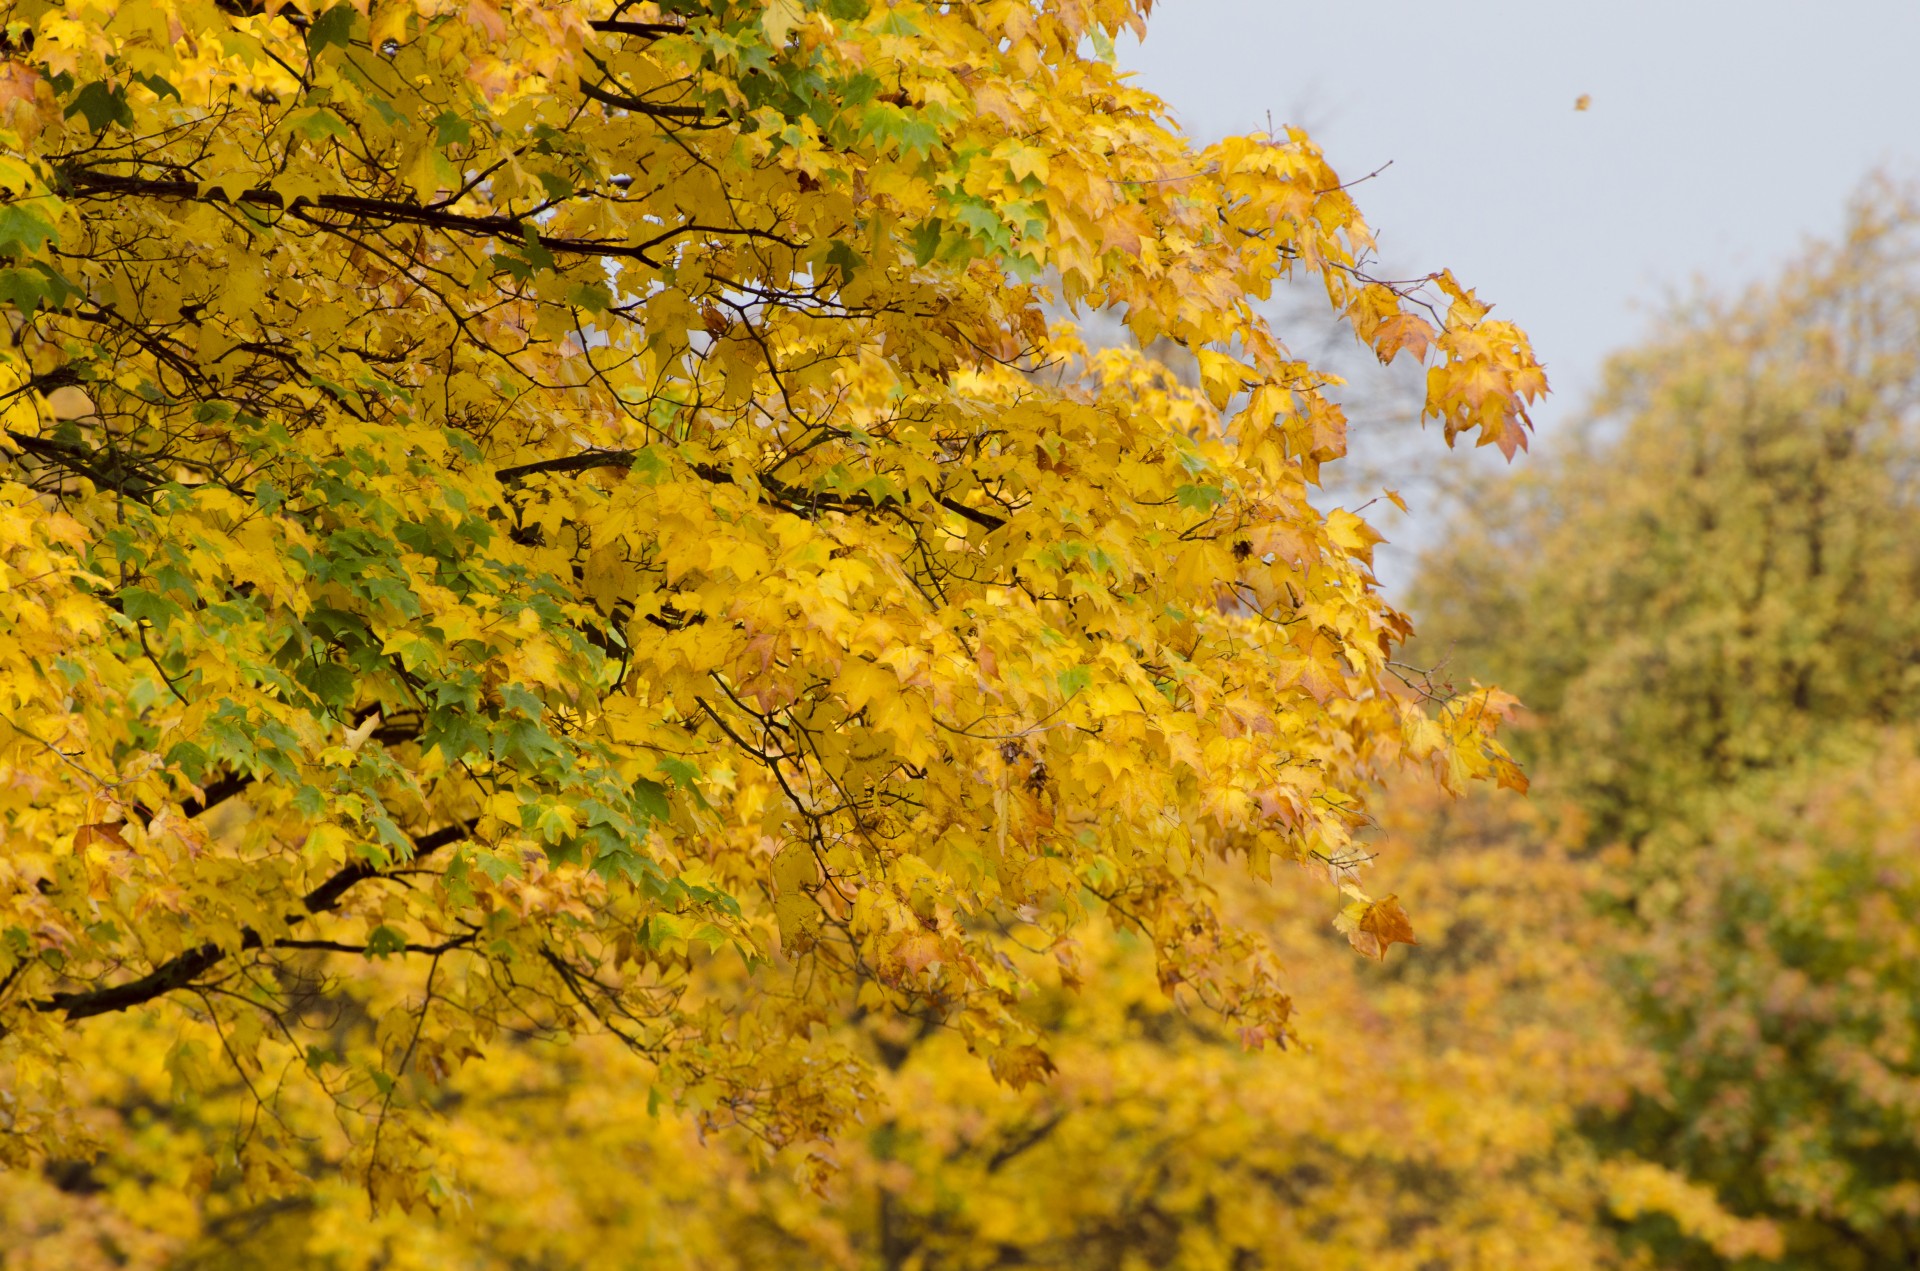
x=1722 y=134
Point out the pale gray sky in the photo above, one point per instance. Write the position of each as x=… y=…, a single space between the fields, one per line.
x=1722 y=134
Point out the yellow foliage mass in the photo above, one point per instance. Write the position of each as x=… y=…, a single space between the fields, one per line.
x=555 y=524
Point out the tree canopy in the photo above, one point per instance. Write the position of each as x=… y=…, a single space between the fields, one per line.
x=1716 y=576
x=549 y=519
x=1713 y=602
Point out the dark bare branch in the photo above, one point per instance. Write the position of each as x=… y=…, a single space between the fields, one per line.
x=389 y=211
x=784 y=494
x=641 y=106
x=183 y=970
x=649 y=30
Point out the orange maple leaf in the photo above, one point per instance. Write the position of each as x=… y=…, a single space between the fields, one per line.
x=1371 y=926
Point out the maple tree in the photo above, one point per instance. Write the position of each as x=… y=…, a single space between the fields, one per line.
x=545 y=520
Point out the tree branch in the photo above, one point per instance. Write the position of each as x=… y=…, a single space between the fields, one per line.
x=652 y=30
x=216 y=792
x=182 y=970
x=116 y=474
x=512 y=228
x=782 y=493
x=640 y=106
x=343 y=946
x=1032 y=1138
x=326 y=896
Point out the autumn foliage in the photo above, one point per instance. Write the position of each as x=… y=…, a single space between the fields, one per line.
x=1713 y=602
x=558 y=523
x=597 y=669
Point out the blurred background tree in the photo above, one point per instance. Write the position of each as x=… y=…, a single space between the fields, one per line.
x=1779 y=987
x=1714 y=614
x=1715 y=574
